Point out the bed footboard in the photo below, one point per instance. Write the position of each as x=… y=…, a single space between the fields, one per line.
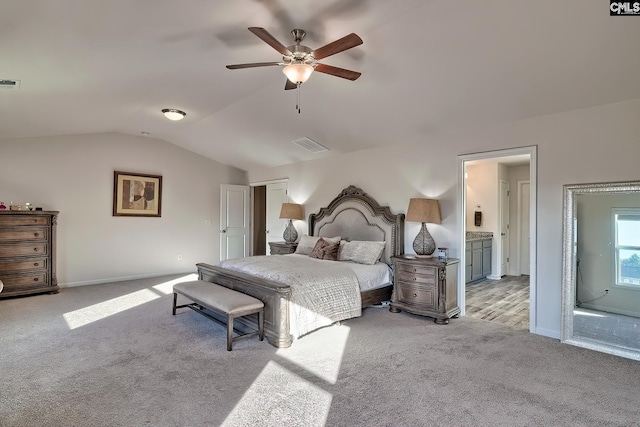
x=274 y=295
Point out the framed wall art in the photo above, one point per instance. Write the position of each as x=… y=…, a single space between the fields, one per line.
x=136 y=194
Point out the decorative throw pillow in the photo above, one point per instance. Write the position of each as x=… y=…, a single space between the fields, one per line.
x=307 y=243
x=362 y=252
x=325 y=250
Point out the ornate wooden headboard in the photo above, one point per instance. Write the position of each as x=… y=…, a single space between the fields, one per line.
x=356 y=216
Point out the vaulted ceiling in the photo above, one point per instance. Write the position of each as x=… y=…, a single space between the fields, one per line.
x=427 y=66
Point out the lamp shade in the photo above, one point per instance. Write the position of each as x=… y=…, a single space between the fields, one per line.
x=424 y=210
x=291 y=211
x=298 y=72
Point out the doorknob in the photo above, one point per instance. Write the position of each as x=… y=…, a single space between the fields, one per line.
x=224 y=231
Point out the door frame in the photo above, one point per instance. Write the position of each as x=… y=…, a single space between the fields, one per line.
x=531 y=151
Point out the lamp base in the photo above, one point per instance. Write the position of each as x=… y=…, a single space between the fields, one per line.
x=423 y=245
x=290 y=234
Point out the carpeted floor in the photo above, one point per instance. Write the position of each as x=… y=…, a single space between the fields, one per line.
x=113 y=355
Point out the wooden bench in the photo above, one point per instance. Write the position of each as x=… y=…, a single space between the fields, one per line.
x=221 y=300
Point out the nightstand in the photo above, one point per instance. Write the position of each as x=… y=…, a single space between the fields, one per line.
x=282 y=248
x=425 y=286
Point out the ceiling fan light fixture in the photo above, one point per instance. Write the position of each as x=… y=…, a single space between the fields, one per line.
x=298 y=72
x=173 y=114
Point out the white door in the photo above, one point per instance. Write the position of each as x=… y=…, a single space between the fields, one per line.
x=235 y=224
x=524 y=242
x=276 y=196
x=504 y=227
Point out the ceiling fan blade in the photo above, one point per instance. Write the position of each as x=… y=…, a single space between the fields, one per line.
x=338 y=72
x=252 y=65
x=347 y=42
x=290 y=85
x=270 y=40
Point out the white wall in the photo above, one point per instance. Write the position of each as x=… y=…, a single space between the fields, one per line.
x=589 y=145
x=483 y=190
x=74 y=175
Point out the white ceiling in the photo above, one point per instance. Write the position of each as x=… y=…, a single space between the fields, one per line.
x=427 y=66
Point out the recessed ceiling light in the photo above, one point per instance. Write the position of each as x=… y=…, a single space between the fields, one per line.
x=143 y=133
x=173 y=114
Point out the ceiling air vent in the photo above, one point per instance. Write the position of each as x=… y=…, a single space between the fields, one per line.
x=310 y=145
x=10 y=84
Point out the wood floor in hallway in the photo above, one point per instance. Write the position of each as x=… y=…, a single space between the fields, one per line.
x=504 y=301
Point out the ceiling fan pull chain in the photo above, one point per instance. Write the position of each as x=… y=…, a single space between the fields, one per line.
x=298 y=98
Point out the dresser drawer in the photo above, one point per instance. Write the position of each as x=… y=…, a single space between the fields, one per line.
x=23 y=250
x=36 y=263
x=418 y=295
x=11 y=220
x=24 y=234
x=37 y=279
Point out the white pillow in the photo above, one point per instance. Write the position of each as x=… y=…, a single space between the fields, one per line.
x=362 y=252
x=307 y=243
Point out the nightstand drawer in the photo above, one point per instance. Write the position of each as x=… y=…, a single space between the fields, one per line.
x=416 y=269
x=416 y=278
x=423 y=296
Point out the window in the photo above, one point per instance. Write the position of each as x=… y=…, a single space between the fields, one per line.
x=627 y=246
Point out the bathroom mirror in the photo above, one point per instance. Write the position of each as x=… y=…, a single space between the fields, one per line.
x=601 y=267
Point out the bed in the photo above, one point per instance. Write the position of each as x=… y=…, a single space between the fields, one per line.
x=352 y=215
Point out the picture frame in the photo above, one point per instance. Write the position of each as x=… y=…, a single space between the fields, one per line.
x=137 y=194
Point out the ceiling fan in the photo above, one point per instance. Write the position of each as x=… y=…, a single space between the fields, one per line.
x=300 y=61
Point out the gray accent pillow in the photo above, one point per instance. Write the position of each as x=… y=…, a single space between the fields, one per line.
x=362 y=252
x=307 y=243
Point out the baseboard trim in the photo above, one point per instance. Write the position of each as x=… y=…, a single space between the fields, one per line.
x=120 y=279
x=547 y=333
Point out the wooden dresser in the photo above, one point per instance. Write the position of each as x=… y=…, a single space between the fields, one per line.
x=425 y=286
x=28 y=252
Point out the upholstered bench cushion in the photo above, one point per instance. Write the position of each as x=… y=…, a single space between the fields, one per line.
x=217 y=297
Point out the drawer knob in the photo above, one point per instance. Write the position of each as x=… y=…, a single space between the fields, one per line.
x=414 y=278
x=36 y=234
x=35 y=279
x=415 y=269
x=35 y=264
x=35 y=249
x=415 y=295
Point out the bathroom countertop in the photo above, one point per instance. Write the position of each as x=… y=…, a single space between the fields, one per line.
x=478 y=235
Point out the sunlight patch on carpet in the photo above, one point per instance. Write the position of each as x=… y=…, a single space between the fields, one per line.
x=99 y=311
x=325 y=364
x=167 y=287
x=301 y=403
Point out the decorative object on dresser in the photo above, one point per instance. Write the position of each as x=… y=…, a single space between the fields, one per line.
x=290 y=211
x=282 y=248
x=425 y=286
x=136 y=194
x=424 y=210
x=28 y=252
